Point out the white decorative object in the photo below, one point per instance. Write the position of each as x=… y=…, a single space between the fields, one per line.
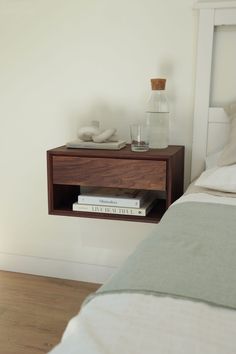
x=95 y=134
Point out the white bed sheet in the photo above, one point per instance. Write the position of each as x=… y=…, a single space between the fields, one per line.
x=147 y=324
x=206 y=198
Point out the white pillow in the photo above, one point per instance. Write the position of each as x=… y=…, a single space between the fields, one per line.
x=219 y=178
x=211 y=160
x=228 y=156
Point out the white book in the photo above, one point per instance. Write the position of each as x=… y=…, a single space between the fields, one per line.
x=114 y=210
x=114 y=197
x=110 y=145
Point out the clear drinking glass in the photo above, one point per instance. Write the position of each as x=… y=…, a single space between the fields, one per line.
x=139 y=137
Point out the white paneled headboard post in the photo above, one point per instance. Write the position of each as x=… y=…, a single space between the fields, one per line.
x=205 y=126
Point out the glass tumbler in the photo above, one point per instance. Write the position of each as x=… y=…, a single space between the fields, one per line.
x=139 y=134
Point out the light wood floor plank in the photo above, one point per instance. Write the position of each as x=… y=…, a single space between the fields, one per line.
x=34 y=310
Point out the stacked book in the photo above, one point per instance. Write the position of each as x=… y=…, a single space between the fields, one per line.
x=115 y=201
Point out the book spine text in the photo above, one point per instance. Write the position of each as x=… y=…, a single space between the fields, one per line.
x=109 y=209
x=95 y=200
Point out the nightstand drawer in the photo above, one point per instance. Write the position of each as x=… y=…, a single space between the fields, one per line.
x=109 y=172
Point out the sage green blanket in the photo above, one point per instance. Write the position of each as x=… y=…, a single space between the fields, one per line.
x=191 y=255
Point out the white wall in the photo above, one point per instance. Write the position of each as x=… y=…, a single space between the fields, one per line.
x=63 y=63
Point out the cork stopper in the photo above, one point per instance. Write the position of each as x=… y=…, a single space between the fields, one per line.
x=158 y=84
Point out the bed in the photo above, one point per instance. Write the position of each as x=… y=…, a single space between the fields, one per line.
x=176 y=294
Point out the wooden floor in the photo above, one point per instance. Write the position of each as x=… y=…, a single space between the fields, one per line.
x=34 y=311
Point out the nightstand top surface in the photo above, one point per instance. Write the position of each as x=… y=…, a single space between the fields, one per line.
x=123 y=153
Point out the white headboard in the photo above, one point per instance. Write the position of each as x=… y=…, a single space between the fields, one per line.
x=210 y=125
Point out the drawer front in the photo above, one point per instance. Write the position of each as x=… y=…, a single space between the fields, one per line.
x=105 y=172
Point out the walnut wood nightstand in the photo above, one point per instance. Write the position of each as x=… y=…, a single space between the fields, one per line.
x=159 y=170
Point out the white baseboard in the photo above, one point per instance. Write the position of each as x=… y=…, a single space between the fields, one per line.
x=55 y=268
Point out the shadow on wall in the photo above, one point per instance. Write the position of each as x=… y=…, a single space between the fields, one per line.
x=166 y=70
x=108 y=115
